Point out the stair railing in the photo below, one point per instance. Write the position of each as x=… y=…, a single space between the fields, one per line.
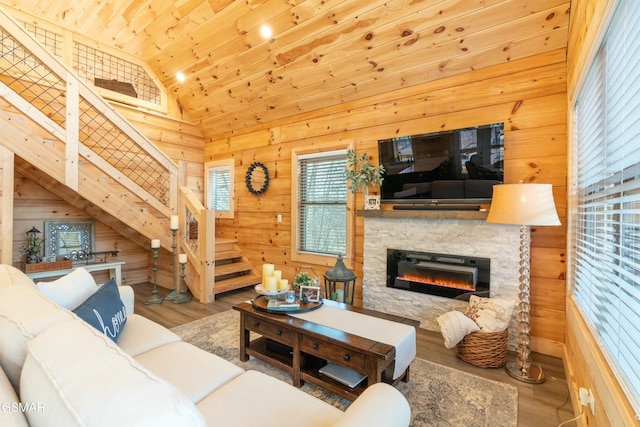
x=198 y=242
x=43 y=88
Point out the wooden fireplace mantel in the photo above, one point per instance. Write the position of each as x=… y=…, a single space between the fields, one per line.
x=424 y=214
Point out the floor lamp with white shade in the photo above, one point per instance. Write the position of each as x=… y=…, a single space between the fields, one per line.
x=524 y=205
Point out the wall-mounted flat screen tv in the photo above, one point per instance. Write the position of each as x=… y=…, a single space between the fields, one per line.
x=456 y=166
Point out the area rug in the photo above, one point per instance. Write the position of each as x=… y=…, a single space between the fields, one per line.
x=439 y=396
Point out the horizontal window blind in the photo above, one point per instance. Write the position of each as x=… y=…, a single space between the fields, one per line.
x=606 y=266
x=322 y=198
x=218 y=196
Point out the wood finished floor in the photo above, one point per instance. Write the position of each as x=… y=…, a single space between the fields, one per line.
x=540 y=405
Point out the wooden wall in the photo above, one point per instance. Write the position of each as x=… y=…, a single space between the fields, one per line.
x=33 y=205
x=528 y=95
x=585 y=364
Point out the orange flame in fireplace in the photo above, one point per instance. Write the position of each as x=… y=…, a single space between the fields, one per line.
x=436 y=281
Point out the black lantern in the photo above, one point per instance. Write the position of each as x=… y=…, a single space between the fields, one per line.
x=32 y=249
x=340 y=274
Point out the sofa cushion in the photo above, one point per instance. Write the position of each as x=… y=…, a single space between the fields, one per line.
x=71 y=290
x=253 y=397
x=83 y=379
x=193 y=371
x=11 y=276
x=142 y=334
x=10 y=413
x=24 y=313
x=104 y=310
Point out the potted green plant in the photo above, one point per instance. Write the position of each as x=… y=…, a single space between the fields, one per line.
x=361 y=174
x=305 y=278
x=32 y=249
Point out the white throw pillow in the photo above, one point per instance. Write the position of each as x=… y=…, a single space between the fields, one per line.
x=491 y=314
x=454 y=326
x=71 y=290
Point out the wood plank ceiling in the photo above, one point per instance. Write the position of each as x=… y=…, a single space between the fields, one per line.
x=322 y=52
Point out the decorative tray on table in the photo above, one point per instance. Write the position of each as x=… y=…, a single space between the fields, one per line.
x=274 y=304
x=259 y=289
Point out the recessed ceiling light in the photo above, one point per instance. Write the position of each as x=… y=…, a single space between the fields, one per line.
x=266 y=31
x=180 y=76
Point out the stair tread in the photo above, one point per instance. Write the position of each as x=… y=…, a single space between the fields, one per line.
x=236 y=283
x=235 y=267
x=223 y=241
x=222 y=255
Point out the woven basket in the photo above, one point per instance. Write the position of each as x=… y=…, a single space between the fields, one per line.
x=484 y=349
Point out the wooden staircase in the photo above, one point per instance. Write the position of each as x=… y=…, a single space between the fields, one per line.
x=233 y=270
x=65 y=136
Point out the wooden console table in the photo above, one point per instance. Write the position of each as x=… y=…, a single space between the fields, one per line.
x=304 y=347
x=114 y=269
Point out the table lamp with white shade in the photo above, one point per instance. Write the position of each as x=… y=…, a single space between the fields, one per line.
x=524 y=205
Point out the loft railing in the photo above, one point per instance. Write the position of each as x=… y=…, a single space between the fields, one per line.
x=43 y=88
x=198 y=242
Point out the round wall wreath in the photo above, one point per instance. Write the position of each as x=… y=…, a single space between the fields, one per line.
x=257 y=178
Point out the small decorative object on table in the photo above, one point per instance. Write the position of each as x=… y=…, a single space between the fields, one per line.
x=305 y=276
x=33 y=247
x=272 y=281
x=61 y=264
x=310 y=293
x=280 y=304
x=340 y=275
x=290 y=297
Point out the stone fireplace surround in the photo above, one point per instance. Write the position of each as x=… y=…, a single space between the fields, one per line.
x=469 y=237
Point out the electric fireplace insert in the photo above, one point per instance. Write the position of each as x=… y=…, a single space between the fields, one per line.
x=445 y=275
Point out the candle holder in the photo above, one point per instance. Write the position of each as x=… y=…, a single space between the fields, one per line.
x=174 y=293
x=155 y=298
x=182 y=298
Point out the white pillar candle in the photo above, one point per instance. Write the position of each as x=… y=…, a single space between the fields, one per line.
x=277 y=274
x=155 y=243
x=174 y=222
x=270 y=284
x=283 y=284
x=182 y=258
x=267 y=270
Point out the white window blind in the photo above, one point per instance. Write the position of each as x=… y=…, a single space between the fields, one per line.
x=606 y=266
x=322 y=208
x=219 y=195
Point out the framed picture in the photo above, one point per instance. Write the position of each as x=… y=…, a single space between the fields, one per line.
x=372 y=203
x=310 y=293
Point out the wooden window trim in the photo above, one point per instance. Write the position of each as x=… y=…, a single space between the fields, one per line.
x=315 y=259
x=220 y=164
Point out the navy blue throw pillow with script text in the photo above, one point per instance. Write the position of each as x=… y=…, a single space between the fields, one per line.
x=104 y=310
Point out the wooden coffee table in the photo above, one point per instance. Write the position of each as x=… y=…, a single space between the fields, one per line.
x=301 y=348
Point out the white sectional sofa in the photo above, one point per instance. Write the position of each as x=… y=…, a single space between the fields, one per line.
x=58 y=370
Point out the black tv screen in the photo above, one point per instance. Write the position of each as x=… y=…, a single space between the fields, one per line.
x=457 y=166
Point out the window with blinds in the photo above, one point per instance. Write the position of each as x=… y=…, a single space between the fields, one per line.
x=322 y=203
x=219 y=188
x=606 y=226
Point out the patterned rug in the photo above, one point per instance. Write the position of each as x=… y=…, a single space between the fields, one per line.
x=439 y=396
